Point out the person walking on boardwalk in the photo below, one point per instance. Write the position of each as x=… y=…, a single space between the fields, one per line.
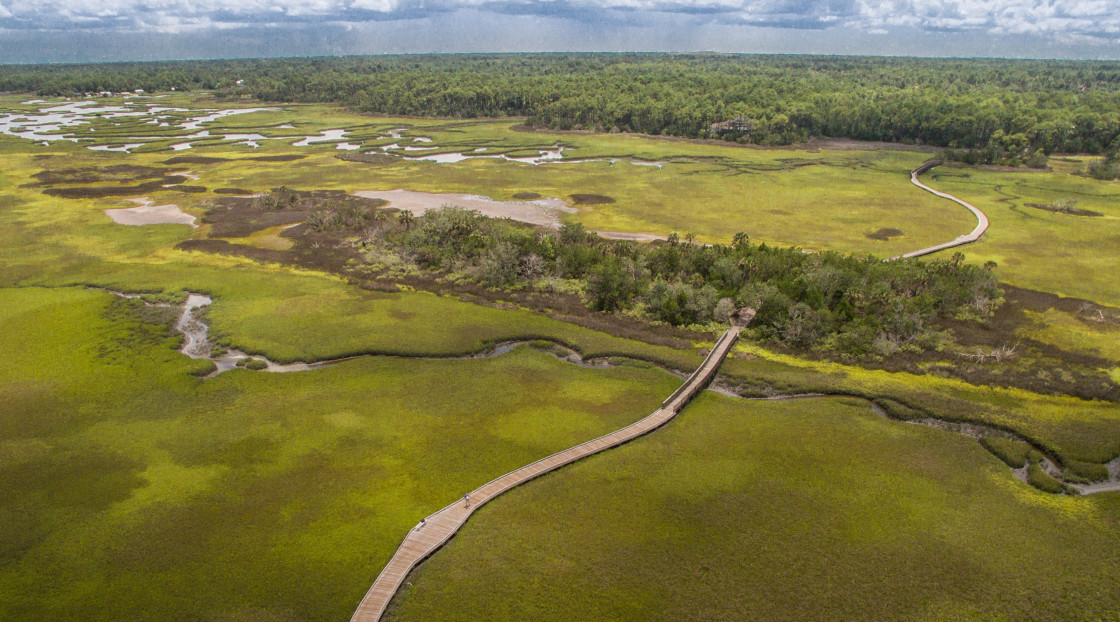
x=467 y=500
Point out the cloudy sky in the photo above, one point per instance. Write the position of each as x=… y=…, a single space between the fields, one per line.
x=98 y=30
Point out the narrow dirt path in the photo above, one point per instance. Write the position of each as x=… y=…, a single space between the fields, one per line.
x=438 y=528
x=968 y=238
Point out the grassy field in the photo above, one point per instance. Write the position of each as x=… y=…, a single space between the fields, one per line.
x=802 y=510
x=1067 y=254
x=810 y=197
x=1087 y=335
x=132 y=490
x=1067 y=427
x=816 y=198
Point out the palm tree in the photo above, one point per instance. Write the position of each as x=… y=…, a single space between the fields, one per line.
x=406 y=218
x=379 y=218
x=740 y=240
x=674 y=238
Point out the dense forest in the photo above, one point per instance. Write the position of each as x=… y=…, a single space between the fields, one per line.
x=1007 y=111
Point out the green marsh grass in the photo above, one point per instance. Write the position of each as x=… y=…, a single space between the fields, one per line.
x=803 y=510
x=1054 y=252
x=133 y=490
x=1014 y=453
x=1040 y=479
x=276 y=497
x=1067 y=427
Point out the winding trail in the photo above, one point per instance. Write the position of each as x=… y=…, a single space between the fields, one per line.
x=435 y=530
x=968 y=238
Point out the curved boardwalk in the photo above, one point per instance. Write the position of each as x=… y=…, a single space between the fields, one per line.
x=968 y=238
x=435 y=530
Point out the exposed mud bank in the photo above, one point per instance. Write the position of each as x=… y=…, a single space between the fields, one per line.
x=544 y=212
x=148 y=213
x=533 y=209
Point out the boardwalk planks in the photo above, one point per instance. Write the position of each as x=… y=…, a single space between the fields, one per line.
x=435 y=530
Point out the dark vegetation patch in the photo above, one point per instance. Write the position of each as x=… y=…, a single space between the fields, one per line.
x=290 y=157
x=1064 y=208
x=118 y=180
x=590 y=199
x=120 y=173
x=1037 y=301
x=194 y=160
x=369 y=158
x=222 y=247
x=994 y=352
x=238 y=217
x=232 y=191
x=526 y=196
x=885 y=234
x=78 y=478
x=98 y=192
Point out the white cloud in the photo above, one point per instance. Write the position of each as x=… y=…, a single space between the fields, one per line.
x=1042 y=18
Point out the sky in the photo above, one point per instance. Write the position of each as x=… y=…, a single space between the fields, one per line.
x=36 y=31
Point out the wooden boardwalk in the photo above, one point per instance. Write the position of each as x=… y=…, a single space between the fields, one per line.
x=435 y=530
x=968 y=238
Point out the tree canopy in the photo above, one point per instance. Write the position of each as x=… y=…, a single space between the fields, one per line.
x=1006 y=110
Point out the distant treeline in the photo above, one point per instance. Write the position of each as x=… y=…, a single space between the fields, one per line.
x=1005 y=110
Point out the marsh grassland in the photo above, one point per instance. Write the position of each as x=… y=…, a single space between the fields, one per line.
x=133 y=486
x=781 y=511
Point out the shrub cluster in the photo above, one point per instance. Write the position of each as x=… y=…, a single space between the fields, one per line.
x=827 y=301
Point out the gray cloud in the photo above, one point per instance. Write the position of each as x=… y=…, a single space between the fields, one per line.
x=1090 y=18
x=205 y=28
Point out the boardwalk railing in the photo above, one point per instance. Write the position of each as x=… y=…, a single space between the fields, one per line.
x=435 y=530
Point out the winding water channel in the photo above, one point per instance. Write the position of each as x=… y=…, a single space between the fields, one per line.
x=196 y=345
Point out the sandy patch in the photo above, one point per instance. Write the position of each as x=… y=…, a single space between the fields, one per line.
x=633 y=237
x=544 y=212
x=147 y=213
x=196 y=122
x=324 y=136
